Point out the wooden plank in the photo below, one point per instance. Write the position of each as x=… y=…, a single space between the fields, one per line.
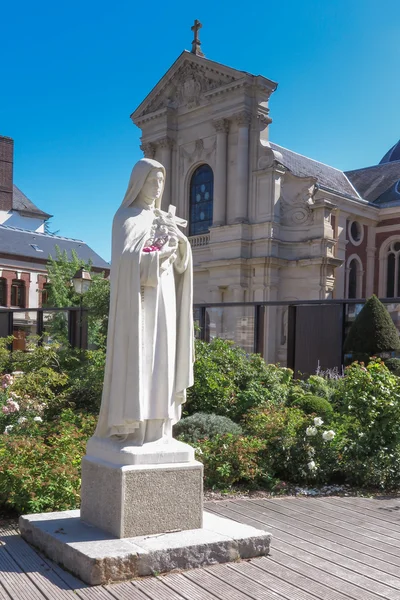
x=352 y=511
x=14 y=581
x=124 y=591
x=307 y=523
x=188 y=589
x=321 y=519
x=328 y=514
x=277 y=527
x=3 y=594
x=219 y=587
x=241 y=582
x=284 y=565
x=37 y=569
x=371 y=507
x=270 y=582
x=342 y=566
x=155 y=589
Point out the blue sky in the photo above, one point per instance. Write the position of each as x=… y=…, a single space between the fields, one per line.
x=73 y=72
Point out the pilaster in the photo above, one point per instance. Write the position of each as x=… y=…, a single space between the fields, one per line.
x=219 y=208
x=238 y=212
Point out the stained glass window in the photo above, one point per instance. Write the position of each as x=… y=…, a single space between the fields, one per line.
x=201 y=200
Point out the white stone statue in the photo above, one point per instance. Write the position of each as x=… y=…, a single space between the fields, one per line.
x=149 y=361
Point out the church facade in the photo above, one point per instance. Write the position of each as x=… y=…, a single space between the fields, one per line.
x=265 y=223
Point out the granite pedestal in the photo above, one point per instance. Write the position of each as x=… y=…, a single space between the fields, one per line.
x=141 y=513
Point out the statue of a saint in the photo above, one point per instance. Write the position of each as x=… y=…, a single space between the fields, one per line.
x=149 y=361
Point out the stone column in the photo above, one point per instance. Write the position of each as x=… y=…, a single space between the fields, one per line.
x=166 y=148
x=148 y=149
x=239 y=212
x=219 y=206
x=340 y=275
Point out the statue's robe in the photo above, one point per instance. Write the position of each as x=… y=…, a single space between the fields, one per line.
x=149 y=363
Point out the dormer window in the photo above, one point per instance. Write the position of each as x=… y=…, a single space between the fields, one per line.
x=36 y=247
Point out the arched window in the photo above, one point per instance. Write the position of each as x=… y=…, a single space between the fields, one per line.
x=393 y=270
x=3 y=291
x=353 y=279
x=201 y=200
x=18 y=295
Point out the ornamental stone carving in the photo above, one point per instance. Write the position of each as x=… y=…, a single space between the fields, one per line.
x=197 y=153
x=148 y=149
x=296 y=201
x=221 y=125
x=243 y=118
x=187 y=86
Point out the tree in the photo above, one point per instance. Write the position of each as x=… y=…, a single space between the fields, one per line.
x=61 y=294
x=373 y=332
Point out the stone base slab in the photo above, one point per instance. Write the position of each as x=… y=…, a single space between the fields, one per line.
x=117 y=452
x=133 y=500
x=98 y=558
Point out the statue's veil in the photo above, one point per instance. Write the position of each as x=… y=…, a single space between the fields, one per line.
x=137 y=180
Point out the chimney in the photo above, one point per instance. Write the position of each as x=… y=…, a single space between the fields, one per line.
x=6 y=173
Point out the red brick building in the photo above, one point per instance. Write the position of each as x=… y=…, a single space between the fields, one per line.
x=25 y=246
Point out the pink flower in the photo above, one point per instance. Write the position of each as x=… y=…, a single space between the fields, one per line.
x=12 y=405
x=6 y=380
x=5 y=409
x=150 y=249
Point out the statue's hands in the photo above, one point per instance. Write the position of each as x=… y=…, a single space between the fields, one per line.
x=175 y=232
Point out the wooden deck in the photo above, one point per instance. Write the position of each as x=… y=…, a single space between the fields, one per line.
x=324 y=548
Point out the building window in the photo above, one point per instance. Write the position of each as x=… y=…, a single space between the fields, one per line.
x=3 y=291
x=353 y=279
x=18 y=295
x=393 y=271
x=45 y=294
x=356 y=233
x=201 y=200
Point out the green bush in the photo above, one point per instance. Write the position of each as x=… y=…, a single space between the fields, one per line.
x=201 y=425
x=393 y=364
x=227 y=381
x=86 y=382
x=230 y=459
x=373 y=332
x=40 y=463
x=314 y=405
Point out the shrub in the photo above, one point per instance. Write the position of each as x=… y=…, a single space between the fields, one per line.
x=228 y=382
x=314 y=405
x=86 y=382
x=373 y=332
x=230 y=459
x=40 y=463
x=200 y=426
x=393 y=364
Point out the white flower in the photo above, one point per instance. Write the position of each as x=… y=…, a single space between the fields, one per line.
x=17 y=373
x=22 y=420
x=312 y=466
x=38 y=419
x=8 y=428
x=311 y=431
x=318 y=422
x=328 y=435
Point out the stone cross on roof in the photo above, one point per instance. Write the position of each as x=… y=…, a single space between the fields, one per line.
x=196 y=49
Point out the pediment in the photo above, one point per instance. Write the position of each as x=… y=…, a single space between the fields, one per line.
x=187 y=82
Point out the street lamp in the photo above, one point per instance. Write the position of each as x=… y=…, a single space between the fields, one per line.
x=81 y=282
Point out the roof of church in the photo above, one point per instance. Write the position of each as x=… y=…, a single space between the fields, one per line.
x=380 y=183
x=22 y=204
x=40 y=246
x=328 y=178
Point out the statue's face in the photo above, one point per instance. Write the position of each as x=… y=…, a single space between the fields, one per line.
x=153 y=186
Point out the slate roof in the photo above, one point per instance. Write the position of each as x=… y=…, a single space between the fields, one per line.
x=19 y=242
x=328 y=178
x=22 y=204
x=372 y=182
